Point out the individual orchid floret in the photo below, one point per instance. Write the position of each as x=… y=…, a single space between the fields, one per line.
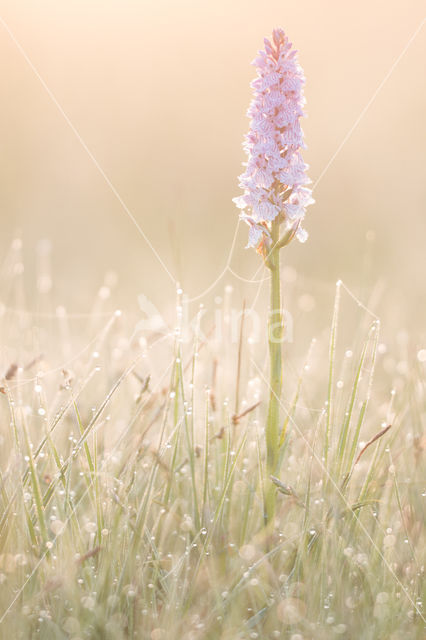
x=274 y=181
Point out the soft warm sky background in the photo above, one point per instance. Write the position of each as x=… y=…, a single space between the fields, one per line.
x=158 y=90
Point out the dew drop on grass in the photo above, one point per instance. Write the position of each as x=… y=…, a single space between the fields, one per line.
x=90 y=527
x=421 y=355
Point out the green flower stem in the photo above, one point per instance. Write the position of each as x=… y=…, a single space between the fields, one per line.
x=275 y=333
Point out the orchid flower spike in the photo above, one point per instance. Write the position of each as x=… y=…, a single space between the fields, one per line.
x=275 y=180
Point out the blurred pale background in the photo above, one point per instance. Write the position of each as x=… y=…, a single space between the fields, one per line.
x=158 y=91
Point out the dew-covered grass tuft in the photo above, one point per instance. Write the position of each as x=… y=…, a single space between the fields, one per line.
x=132 y=470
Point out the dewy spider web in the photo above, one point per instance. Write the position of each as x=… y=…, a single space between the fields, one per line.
x=113 y=450
x=347 y=504
x=226 y=268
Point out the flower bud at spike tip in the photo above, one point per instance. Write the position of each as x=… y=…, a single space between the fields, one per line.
x=275 y=180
